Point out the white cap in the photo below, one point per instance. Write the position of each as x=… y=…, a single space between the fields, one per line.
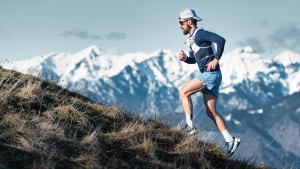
x=188 y=13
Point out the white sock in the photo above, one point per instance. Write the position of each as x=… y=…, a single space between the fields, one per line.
x=189 y=121
x=227 y=136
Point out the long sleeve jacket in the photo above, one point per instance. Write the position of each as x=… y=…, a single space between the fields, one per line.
x=202 y=50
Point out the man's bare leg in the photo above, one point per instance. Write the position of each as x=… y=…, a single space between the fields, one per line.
x=193 y=86
x=210 y=105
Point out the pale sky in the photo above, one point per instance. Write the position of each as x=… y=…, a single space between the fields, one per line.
x=36 y=27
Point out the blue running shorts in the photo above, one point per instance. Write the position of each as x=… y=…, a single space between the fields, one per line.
x=212 y=80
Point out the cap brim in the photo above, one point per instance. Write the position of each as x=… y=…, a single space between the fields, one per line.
x=197 y=18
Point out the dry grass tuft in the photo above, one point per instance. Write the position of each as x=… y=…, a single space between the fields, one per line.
x=7 y=74
x=31 y=90
x=18 y=139
x=9 y=89
x=90 y=139
x=128 y=131
x=70 y=114
x=89 y=160
x=148 y=146
x=49 y=129
x=11 y=119
x=114 y=112
x=25 y=143
x=189 y=145
x=13 y=123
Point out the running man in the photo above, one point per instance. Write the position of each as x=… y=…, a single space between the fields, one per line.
x=202 y=52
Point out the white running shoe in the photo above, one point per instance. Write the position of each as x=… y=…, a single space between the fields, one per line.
x=232 y=146
x=188 y=130
x=191 y=131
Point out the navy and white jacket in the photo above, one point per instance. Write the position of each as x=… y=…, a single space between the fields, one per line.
x=202 y=49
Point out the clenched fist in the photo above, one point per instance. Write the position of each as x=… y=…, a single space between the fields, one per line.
x=182 y=56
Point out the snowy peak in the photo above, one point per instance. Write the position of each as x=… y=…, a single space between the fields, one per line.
x=245 y=53
x=85 y=58
x=89 y=54
x=92 y=50
x=240 y=64
x=291 y=63
x=288 y=58
x=247 y=49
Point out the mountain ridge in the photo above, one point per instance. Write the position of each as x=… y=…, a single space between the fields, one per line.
x=242 y=68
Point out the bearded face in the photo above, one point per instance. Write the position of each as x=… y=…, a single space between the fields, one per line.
x=185 y=27
x=186 y=30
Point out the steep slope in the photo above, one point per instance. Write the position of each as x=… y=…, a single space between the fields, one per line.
x=45 y=126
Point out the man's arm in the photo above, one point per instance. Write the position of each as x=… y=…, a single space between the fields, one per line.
x=183 y=57
x=213 y=37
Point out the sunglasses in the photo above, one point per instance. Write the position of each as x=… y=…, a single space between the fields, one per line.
x=182 y=22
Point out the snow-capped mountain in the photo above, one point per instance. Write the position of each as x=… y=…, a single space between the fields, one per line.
x=245 y=64
x=147 y=81
x=250 y=80
x=139 y=81
x=291 y=63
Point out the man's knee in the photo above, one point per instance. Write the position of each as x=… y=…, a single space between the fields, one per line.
x=181 y=92
x=209 y=114
x=212 y=113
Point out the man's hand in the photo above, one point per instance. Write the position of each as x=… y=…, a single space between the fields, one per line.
x=182 y=56
x=212 y=65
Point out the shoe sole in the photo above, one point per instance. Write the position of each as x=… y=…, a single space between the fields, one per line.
x=191 y=132
x=236 y=144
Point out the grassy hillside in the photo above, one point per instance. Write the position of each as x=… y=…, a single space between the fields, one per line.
x=45 y=126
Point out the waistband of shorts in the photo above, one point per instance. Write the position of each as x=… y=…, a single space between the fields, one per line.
x=205 y=69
